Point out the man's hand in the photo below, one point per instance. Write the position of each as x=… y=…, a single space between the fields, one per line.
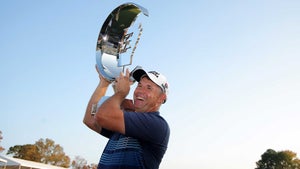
x=122 y=84
x=103 y=81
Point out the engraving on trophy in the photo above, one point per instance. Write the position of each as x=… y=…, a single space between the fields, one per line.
x=126 y=43
x=137 y=41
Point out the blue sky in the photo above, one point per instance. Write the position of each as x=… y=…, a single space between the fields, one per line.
x=233 y=69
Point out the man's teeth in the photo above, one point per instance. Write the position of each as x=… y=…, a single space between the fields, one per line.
x=139 y=98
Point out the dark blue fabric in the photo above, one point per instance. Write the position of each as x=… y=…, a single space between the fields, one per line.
x=143 y=145
x=153 y=133
x=121 y=152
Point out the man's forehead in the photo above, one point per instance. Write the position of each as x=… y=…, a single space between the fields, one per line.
x=146 y=78
x=147 y=81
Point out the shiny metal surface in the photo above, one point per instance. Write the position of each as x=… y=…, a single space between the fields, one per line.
x=118 y=39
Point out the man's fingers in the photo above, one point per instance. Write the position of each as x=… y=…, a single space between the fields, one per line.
x=127 y=72
x=126 y=75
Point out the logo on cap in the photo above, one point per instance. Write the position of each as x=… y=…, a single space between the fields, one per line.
x=154 y=73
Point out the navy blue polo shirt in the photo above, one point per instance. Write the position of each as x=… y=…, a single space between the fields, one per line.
x=143 y=145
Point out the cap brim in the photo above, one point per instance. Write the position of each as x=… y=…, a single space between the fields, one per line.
x=138 y=73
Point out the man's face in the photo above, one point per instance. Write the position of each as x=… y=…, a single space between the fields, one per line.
x=147 y=96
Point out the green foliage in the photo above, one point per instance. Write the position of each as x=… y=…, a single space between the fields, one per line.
x=278 y=160
x=44 y=151
x=26 y=152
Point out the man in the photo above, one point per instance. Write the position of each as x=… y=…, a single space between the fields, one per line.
x=138 y=135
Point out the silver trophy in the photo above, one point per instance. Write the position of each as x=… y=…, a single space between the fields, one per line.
x=118 y=39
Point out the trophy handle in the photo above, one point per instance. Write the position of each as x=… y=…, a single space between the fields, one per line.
x=116 y=38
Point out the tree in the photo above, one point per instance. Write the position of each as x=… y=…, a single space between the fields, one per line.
x=278 y=160
x=44 y=151
x=52 y=153
x=26 y=152
x=1 y=148
x=93 y=166
x=81 y=163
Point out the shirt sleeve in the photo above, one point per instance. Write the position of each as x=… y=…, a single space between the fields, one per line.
x=146 y=126
x=106 y=133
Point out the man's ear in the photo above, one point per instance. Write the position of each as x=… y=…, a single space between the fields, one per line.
x=162 y=98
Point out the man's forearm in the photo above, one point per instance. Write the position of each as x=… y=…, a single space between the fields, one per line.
x=89 y=119
x=110 y=115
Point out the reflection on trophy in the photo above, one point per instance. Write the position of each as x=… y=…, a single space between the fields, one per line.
x=118 y=39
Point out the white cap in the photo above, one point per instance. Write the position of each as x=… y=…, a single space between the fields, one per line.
x=154 y=76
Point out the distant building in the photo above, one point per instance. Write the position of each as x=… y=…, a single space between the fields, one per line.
x=16 y=163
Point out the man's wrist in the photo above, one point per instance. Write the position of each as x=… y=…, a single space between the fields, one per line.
x=94 y=109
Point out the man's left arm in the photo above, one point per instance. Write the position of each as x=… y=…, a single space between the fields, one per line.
x=109 y=114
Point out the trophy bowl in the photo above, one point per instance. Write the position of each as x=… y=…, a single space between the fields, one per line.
x=118 y=39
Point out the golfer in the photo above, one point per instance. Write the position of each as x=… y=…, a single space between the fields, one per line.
x=138 y=135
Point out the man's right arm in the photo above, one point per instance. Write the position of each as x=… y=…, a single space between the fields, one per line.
x=89 y=119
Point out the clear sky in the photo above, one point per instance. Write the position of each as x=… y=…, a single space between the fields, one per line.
x=233 y=69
